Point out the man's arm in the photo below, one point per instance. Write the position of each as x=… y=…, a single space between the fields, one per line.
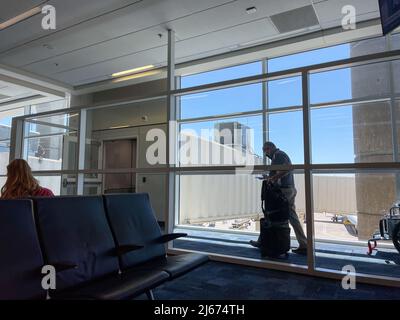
x=277 y=176
x=280 y=160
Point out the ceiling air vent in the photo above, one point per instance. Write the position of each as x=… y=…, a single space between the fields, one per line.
x=296 y=19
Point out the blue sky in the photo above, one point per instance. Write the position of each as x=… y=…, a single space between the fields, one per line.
x=332 y=128
x=6 y=121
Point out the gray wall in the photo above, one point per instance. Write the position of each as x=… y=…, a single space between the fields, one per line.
x=130 y=115
x=138 y=118
x=137 y=91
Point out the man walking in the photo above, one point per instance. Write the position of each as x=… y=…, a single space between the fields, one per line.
x=285 y=181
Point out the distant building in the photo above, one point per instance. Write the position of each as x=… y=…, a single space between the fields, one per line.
x=234 y=134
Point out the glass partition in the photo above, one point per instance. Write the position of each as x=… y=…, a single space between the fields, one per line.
x=51 y=142
x=5 y=138
x=59 y=184
x=49 y=106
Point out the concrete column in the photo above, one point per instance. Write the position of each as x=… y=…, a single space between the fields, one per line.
x=373 y=142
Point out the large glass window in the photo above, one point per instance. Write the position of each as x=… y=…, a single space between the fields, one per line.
x=367 y=81
x=347 y=211
x=285 y=92
x=359 y=133
x=285 y=130
x=350 y=122
x=222 y=101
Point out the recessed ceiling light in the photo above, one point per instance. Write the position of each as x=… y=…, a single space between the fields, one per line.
x=137 y=75
x=119 y=127
x=131 y=71
x=251 y=10
x=20 y=17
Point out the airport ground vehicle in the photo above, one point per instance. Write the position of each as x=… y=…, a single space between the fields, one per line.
x=389 y=229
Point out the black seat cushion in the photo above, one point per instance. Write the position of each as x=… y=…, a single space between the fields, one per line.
x=75 y=230
x=20 y=254
x=133 y=222
x=116 y=287
x=175 y=265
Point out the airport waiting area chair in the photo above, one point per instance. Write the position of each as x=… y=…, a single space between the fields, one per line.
x=20 y=252
x=102 y=247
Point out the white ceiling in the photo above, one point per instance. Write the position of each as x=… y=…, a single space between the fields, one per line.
x=95 y=38
x=13 y=95
x=9 y=92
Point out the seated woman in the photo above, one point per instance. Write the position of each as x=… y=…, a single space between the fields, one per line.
x=21 y=183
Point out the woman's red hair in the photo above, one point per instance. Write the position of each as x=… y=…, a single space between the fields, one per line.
x=20 y=181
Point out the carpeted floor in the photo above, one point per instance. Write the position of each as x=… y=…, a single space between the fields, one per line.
x=216 y=280
x=328 y=256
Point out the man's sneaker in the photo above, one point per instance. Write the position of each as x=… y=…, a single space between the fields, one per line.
x=302 y=251
x=255 y=243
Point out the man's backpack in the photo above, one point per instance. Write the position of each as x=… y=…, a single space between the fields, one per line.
x=274 y=204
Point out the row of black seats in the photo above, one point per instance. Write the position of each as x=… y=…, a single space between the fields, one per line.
x=102 y=247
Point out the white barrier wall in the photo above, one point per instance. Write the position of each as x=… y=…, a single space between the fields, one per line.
x=218 y=197
x=335 y=194
x=224 y=197
x=331 y=194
